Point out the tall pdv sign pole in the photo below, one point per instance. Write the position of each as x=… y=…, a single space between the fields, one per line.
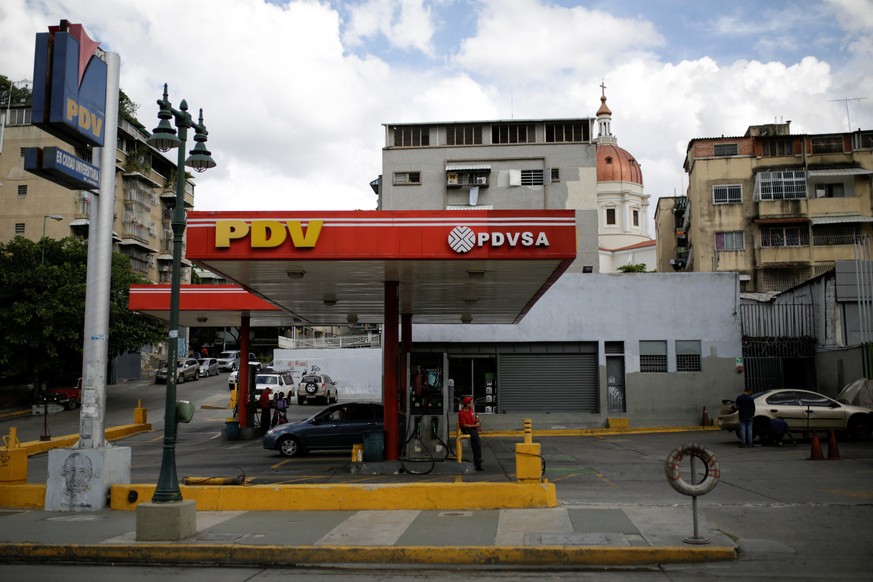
x=75 y=98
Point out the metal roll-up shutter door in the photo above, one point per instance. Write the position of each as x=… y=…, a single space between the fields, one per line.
x=547 y=383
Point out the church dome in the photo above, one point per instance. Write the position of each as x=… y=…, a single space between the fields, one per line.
x=615 y=164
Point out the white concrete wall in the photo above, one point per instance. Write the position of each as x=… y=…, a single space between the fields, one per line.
x=357 y=372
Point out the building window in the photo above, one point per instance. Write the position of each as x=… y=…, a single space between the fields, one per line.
x=777 y=147
x=22 y=190
x=610 y=216
x=653 y=356
x=411 y=137
x=567 y=132
x=729 y=241
x=18 y=116
x=781 y=185
x=827 y=145
x=464 y=135
x=636 y=217
x=863 y=141
x=513 y=133
x=407 y=177
x=727 y=194
x=556 y=175
x=532 y=178
x=725 y=149
x=824 y=236
x=19 y=228
x=785 y=236
x=688 y=355
x=830 y=190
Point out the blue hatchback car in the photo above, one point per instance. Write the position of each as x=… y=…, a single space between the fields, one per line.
x=335 y=428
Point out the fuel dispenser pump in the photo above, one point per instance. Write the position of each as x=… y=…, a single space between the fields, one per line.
x=427 y=408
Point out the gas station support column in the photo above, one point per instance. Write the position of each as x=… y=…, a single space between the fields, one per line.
x=242 y=378
x=405 y=349
x=389 y=369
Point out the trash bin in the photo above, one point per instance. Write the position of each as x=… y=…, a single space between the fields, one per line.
x=374 y=446
x=231 y=430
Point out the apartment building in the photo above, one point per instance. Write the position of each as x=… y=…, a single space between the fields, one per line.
x=777 y=208
x=144 y=199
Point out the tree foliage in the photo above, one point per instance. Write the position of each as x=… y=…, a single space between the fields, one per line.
x=20 y=93
x=636 y=268
x=42 y=308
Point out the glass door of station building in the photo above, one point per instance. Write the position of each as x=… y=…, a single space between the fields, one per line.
x=474 y=376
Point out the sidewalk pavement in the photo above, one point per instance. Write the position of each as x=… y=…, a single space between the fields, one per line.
x=566 y=535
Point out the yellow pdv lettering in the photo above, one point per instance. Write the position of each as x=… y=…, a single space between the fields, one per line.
x=228 y=230
x=306 y=239
x=267 y=233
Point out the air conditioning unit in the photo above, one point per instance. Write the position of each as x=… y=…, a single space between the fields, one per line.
x=481 y=179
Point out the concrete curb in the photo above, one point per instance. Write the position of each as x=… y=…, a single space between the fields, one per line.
x=250 y=555
x=112 y=434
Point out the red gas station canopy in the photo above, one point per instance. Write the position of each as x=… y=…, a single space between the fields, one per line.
x=328 y=268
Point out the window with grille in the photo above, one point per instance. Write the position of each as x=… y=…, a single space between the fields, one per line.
x=837 y=234
x=513 y=133
x=556 y=175
x=407 y=178
x=653 y=356
x=411 y=137
x=567 y=132
x=725 y=149
x=464 y=135
x=777 y=147
x=785 y=236
x=827 y=145
x=781 y=185
x=837 y=190
x=727 y=194
x=22 y=190
x=532 y=178
x=688 y=356
x=19 y=228
x=729 y=241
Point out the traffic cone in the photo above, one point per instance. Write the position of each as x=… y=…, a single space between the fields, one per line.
x=816 y=454
x=833 y=450
x=705 y=420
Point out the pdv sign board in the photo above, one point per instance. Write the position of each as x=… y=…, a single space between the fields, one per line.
x=69 y=85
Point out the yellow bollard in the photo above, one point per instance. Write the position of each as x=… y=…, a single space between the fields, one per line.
x=140 y=414
x=13 y=459
x=358 y=453
x=528 y=457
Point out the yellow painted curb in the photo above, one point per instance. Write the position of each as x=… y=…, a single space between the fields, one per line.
x=555 y=432
x=178 y=553
x=112 y=434
x=348 y=496
x=22 y=495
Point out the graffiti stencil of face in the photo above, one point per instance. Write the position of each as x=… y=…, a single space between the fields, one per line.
x=77 y=473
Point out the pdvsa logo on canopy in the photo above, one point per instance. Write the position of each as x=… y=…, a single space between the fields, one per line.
x=463 y=239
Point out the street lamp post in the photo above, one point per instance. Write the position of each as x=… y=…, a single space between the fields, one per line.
x=42 y=240
x=164 y=139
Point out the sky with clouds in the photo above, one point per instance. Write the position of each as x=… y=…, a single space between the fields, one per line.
x=295 y=92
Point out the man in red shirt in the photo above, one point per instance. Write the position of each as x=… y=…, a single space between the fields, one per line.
x=469 y=423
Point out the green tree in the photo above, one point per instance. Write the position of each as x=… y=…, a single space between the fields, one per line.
x=636 y=268
x=42 y=308
x=20 y=93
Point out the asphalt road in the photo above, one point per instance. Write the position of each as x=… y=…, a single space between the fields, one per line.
x=792 y=518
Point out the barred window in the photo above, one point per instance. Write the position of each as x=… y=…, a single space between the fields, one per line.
x=19 y=228
x=688 y=356
x=777 y=147
x=464 y=135
x=785 y=236
x=411 y=137
x=407 y=177
x=653 y=356
x=729 y=241
x=567 y=132
x=556 y=175
x=513 y=133
x=22 y=189
x=827 y=145
x=532 y=178
x=727 y=194
x=725 y=149
x=781 y=185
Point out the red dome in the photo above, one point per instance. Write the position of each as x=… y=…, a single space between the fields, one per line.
x=617 y=165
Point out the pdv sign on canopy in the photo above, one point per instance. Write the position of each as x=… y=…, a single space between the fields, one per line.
x=69 y=85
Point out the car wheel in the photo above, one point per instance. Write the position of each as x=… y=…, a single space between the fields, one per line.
x=196 y=375
x=72 y=404
x=289 y=447
x=180 y=379
x=311 y=388
x=859 y=428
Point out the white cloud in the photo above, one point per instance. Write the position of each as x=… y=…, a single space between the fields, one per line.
x=406 y=24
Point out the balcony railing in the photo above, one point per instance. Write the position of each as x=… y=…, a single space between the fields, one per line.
x=369 y=340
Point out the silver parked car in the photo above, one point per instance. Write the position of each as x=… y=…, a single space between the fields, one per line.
x=209 y=367
x=186 y=369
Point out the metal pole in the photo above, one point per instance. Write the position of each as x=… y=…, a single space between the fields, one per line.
x=96 y=330
x=167 y=488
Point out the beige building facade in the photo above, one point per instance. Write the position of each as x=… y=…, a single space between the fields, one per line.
x=777 y=208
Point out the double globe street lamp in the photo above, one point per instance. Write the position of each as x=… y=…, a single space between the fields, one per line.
x=164 y=138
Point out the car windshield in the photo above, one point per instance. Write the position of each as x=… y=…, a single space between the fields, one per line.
x=310 y=379
x=227 y=355
x=267 y=380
